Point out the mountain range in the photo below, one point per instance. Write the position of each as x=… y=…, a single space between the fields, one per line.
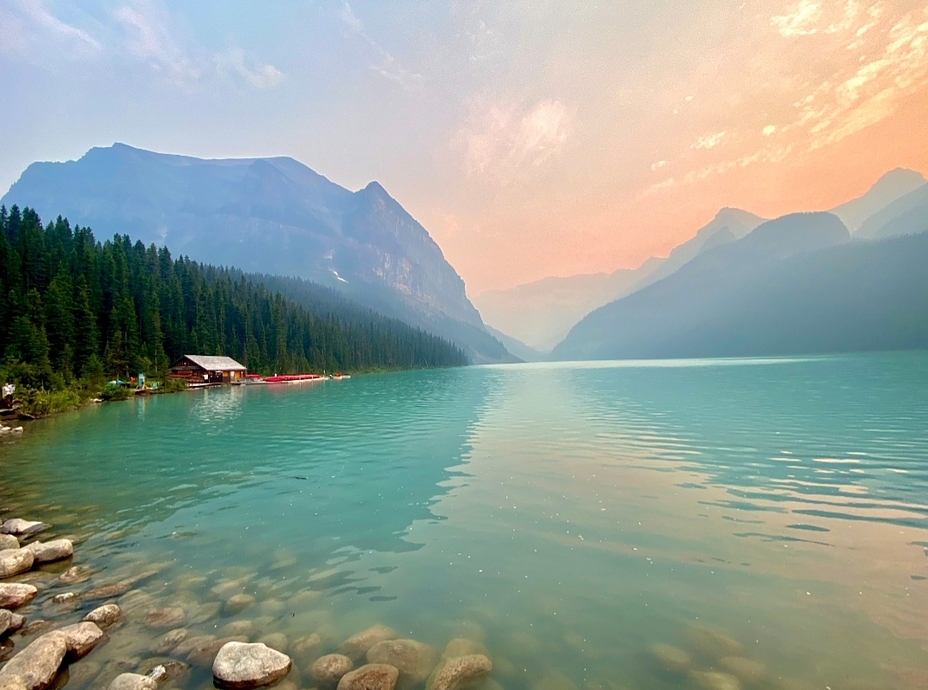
x=268 y=216
x=541 y=313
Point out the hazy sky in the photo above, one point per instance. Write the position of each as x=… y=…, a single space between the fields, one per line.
x=531 y=138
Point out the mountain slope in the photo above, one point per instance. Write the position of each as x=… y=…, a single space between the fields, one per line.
x=266 y=215
x=907 y=215
x=795 y=285
x=891 y=186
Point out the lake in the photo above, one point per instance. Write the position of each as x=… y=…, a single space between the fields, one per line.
x=769 y=518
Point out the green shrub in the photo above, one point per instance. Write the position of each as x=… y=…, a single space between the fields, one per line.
x=171 y=386
x=41 y=403
x=113 y=391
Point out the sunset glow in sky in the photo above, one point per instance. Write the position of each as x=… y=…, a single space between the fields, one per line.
x=531 y=138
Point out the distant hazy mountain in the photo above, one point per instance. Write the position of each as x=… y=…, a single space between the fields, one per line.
x=541 y=313
x=729 y=224
x=794 y=285
x=907 y=215
x=266 y=215
x=517 y=347
x=890 y=187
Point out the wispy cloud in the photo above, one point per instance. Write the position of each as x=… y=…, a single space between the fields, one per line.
x=27 y=25
x=504 y=140
x=232 y=63
x=386 y=65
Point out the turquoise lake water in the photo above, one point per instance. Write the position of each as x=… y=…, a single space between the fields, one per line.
x=567 y=516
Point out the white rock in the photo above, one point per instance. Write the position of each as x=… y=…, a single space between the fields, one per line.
x=15 y=561
x=19 y=527
x=46 y=552
x=132 y=681
x=243 y=665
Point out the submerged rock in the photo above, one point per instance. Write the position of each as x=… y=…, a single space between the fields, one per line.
x=304 y=648
x=329 y=669
x=169 y=641
x=49 y=551
x=164 y=670
x=461 y=646
x=110 y=591
x=459 y=672
x=237 y=603
x=203 y=654
x=37 y=627
x=22 y=528
x=166 y=618
x=68 y=599
x=132 y=681
x=104 y=616
x=15 y=594
x=241 y=665
x=15 y=561
x=81 y=638
x=713 y=644
x=414 y=660
x=75 y=574
x=37 y=665
x=357 y=645
x=744 y=669
x=8 y=541
x=712 y=680
x=670 y=658
x=370 y=677
x=276 y=641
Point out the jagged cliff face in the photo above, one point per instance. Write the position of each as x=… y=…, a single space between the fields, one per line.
x=271 y=215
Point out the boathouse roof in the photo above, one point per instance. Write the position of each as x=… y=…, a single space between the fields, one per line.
x=215 y=363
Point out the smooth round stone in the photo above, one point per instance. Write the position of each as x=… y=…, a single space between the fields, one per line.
x=414 y=660
x=330 y=668
x=244 y=628
x=166 y=618
x=37 y=665
x=81 y=638
x=671 y=658
x=132 y=681
x=8 y=541
x=456 y=673
x=357 y=645
x=744 y=669
x=237 y=603
x=242 y=665
x=19 y=527
x=104 y=616
x=15 y=561
x=370 y=677
x=50 y=551
x=15 y=594
x=712 y=680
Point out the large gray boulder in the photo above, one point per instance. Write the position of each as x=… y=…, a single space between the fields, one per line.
x=132 y=681
x=37 y=665
x=242 y=665
x=21 y=528
x=15 y=594
x=370 y=677
x=56 y=550
x=15 y=561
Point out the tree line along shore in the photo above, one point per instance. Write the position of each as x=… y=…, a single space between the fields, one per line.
x=76 y=312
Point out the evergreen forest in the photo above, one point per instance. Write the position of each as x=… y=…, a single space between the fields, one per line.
x=73 y=310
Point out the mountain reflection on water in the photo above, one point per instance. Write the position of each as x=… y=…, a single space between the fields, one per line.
x=568 y=516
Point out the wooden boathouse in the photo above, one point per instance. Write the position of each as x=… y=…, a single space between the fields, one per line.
x=207 y=369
